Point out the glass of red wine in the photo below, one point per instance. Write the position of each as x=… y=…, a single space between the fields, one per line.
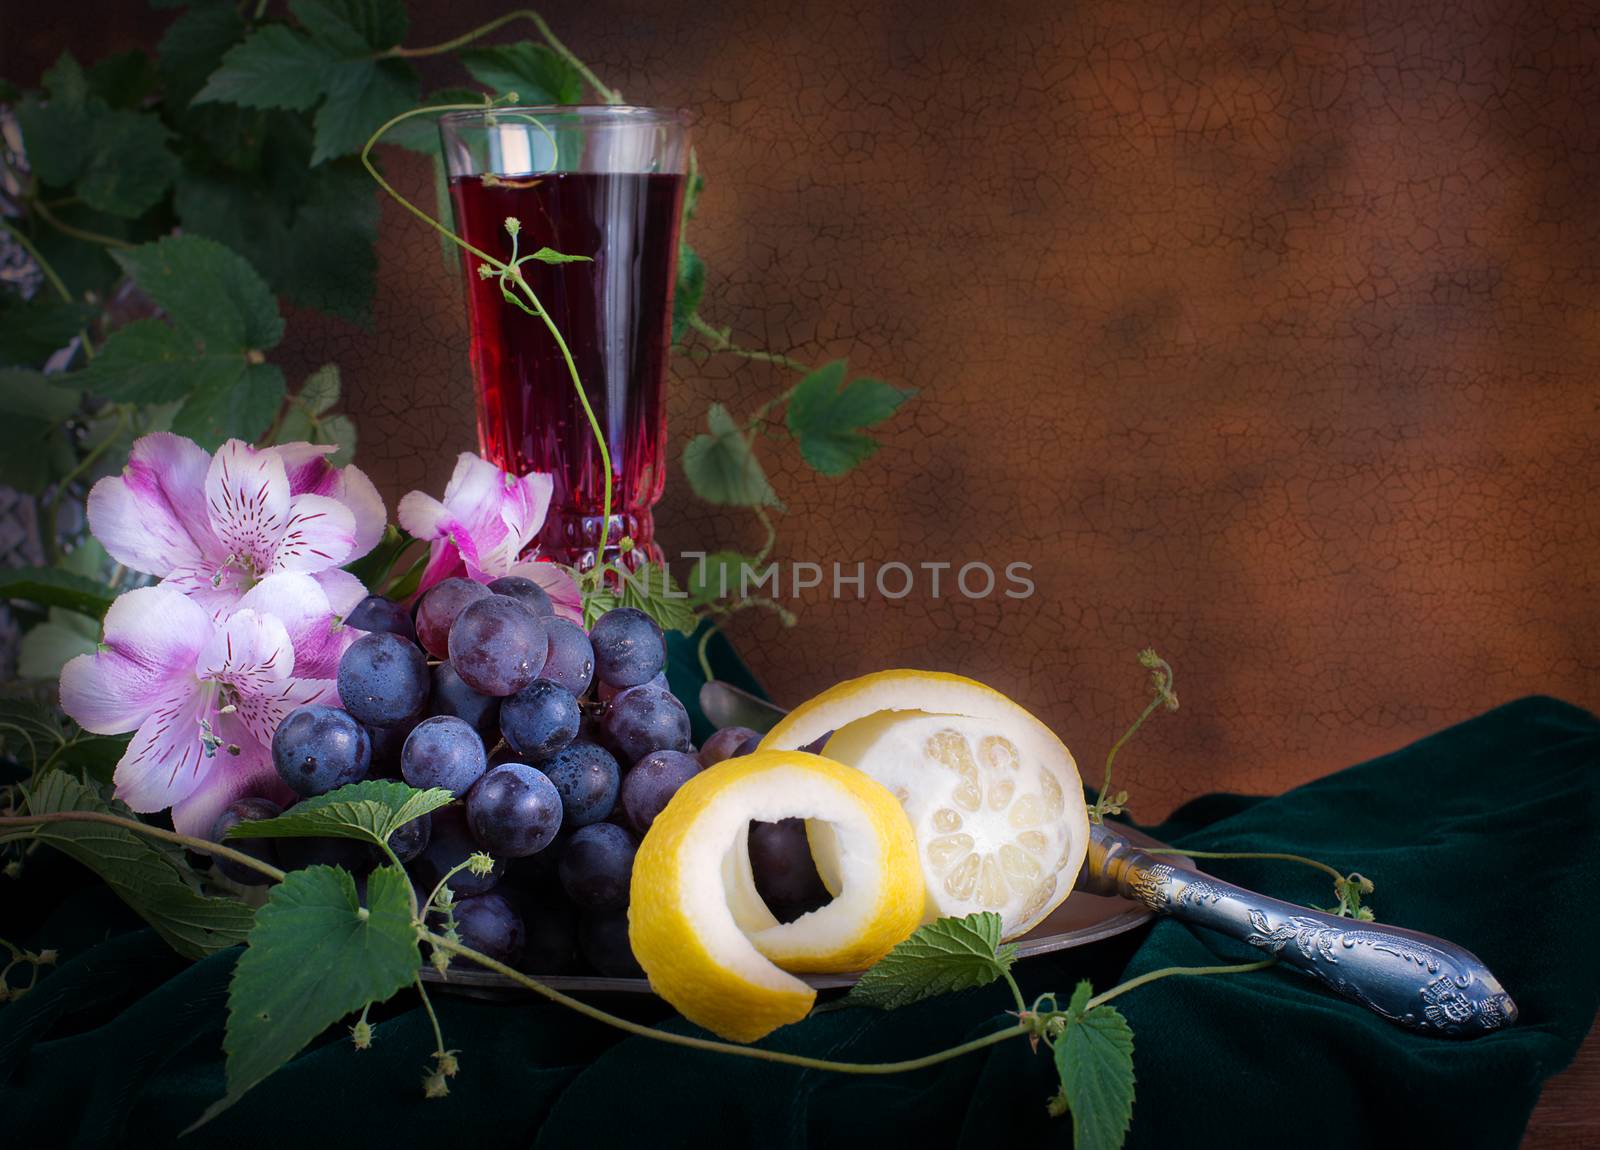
x=604 y=182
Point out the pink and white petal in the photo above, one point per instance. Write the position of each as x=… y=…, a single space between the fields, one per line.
x=307 y=467
x=522 y=513
x=216 y=589
x=317 y=535
x=358 y=493
x=247 y=494
x=250 y=652
x=476 y=496
x=299 y=602
x=260 y=712
x=444 y=562
x=152 y=517
x=343 y=589
x=152 y=636
x=423 y=516
x=250 y=773
x=559 y=584
x=167 y=758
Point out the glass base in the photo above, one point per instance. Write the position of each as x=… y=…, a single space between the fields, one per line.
x=572 y=537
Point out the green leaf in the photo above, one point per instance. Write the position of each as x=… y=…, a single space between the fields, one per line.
x=651 y=589
x=244 y=410
x=31 y=331
x=722 y=468
x=716 y=576
x=315 y=955
x=273 y=67
x=369 y=811
x=939 y=957
x=686 y=294
x=147 y=361
x=1094 y=1057
x=535 y=73
x=34 y=446
x=53 y=587
x=95 y=755
x=826 y=419
x=207 y=291
x=29 y=732
x=353 y=25
x=320 y=391
x=551 y=256
x=362 y=95
x=192 y=47
x=341 y=430
x=421 y=133
x=153 y=880
x=124 y=79
x=374 y=566
x=46 y=648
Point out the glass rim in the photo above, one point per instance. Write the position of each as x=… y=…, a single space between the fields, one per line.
x=620 y=113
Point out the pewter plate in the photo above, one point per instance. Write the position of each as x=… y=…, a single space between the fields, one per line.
x=1080 y=920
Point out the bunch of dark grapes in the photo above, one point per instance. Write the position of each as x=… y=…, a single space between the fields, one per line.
x=560 y=746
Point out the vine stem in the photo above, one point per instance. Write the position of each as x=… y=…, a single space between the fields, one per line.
x=195 y=844
x=1277 y=855
x=45 y=269
x=609 y=95
x=433 y=1018
x=92 y=458
x=721 y=342
x=75 y=232
x=723 y=1047
x=1175 y=972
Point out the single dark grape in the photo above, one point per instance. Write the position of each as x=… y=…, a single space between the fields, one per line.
x=587 y=777
x=748 y=747
x=525 y=591
x=645 y=719
x=597 y=865
x=490 y=924
x=649 y=787
x=451 y=696
x=411 y=839
x=375 y=613
x=514 y=811
x=318 y=748
x=438 y=609
x=569 y=659
x=449 y=844
x=387 y=743
x=240 y=811
x=605 y=692
x=552 y=933
x=443 y=751
x=628 y=647
x=497 y=646
x=603 y=942
x=347 y=854
x=383 y=679
x=780 y=860
x=540 y=719
x=726 y=743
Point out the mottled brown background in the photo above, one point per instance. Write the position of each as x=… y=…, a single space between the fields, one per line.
x=1266 y=331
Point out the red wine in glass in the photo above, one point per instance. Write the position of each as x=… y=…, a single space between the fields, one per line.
x=613 y=309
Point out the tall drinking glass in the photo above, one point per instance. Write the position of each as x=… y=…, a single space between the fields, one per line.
x=603 y=182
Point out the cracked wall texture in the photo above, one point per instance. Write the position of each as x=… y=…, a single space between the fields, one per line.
x=1265 y=331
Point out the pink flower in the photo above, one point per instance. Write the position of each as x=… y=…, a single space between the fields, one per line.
x=212 y=527
x=487 y=519
x=202 y=695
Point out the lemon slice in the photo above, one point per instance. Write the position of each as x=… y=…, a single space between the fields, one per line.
x=993 y=795
x=684 y=932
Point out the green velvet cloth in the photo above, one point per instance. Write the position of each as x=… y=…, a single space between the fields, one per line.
x=1485 y=834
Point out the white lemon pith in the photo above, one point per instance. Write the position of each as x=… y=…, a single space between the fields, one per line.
x=684 y=932
x=993 y=796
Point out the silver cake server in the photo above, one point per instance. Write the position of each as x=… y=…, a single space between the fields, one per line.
x=1413 y=979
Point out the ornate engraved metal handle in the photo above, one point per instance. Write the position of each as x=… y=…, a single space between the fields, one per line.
x=1414 y=979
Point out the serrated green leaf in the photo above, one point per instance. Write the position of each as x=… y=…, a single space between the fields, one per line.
x=53 y=587
x=1094 y=1058
x=123 y=80
x=207 y=291
x=340 y=430
x=243 y=410
x=421 y=133
x=370 y=811
x=650 y=588
x=147 y=361
x=273 y=67
x=691 y=285
x=31 y=331
x=826 y=419
x=535 y=73
x=362 y=95
x=154 y=881
x=29 y=732
x=353 y=25
x=94 y=755
x=320 y=391
x=551 y=256
x=717 y=576
x=315 y=955
x=721 y=467
x=192 y=47
x=940 y=957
